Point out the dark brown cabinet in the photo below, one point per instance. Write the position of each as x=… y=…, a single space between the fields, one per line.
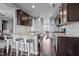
x=68 y=13
x=72 y=12
x=23 y=18
x=68 y=46
x=61 y=18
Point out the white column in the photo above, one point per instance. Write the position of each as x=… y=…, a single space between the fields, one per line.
x=14 y=23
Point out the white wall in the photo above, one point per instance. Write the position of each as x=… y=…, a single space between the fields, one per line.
x=38 y=25
x=0 y=24
x=10 y=25
x=46 y=24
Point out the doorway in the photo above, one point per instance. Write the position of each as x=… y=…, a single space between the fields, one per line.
x=4 y=24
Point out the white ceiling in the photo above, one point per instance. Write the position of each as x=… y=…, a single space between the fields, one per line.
x=6 y=11
x=41 y=9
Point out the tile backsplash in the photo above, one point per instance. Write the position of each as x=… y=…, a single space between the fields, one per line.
x=72 y=28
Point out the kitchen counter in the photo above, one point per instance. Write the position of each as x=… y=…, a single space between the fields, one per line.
x=67 y=46
x=66 y=35
x=63 y=35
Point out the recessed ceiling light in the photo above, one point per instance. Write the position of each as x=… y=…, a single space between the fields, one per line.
x=33 y=6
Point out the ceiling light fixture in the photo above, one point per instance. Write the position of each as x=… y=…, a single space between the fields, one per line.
x=33 y=6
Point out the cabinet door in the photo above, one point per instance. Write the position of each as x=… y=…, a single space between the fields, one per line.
x=68 y=46
x=65 y=46
x=23 y=18
x=72 y=12
x=18 y=17
x=30 y=22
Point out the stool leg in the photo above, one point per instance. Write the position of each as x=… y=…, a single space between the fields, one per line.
x=21 y=50
x=7 y=41
x=11 y=48
x=24 y=47
x=34 y=47
x=16 y=48
x=20 y=45
x=28 y=49
x=2 y=51
x=2 y=46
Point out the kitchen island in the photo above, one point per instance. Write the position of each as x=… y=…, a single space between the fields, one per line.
x=67 y=44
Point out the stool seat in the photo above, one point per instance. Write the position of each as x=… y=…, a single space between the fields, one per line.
x=29 y=40
x=19 y=39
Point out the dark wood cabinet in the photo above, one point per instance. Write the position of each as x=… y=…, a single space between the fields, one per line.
x=68 y=13
x=61 y=17
x=68 y=46
x=72 y=12
x=23 y=18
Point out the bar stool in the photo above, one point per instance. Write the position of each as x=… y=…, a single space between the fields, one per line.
x=29 y=41
x=2 y=46
x=19 y=42
x=23 y=45
x=5 y=42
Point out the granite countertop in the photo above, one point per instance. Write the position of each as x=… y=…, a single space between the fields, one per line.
x=28 y=33
x=66 y=35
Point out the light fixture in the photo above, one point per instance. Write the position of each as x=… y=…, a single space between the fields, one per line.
x=33 y=6
x=30 y=17
x=64 y=12
x=24 y=18
x=60 y=12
